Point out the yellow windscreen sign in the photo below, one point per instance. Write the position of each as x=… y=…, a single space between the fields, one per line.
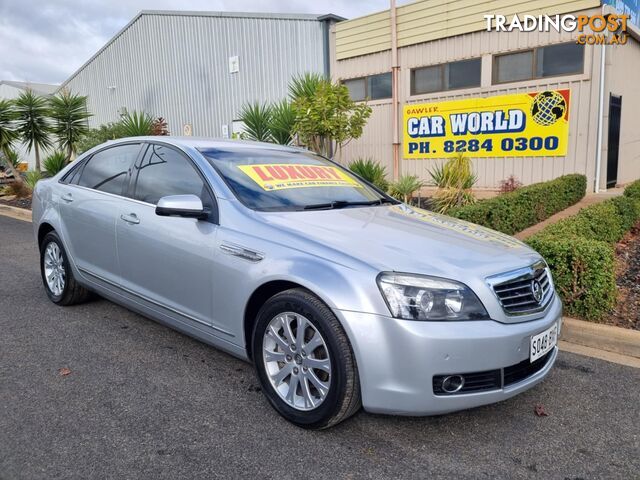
x=519 y=125
x=279 y=176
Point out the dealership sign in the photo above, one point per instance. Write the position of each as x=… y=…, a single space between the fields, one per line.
x=534 y=124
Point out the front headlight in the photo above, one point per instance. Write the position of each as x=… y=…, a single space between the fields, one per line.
x=420 y=297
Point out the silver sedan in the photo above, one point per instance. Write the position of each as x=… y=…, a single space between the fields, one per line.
x=341 y=296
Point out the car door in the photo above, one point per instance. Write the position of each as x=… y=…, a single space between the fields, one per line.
x=88 y=206
x=168 y=261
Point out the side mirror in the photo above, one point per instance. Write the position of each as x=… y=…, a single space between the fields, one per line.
x=189 y=206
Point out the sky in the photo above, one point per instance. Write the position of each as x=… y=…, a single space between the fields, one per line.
x=45 y=41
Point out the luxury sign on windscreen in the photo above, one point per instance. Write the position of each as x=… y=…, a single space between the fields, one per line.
x=523 y=124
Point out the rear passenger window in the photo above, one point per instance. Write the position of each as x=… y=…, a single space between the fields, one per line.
x=164 y=171
x=107 y=170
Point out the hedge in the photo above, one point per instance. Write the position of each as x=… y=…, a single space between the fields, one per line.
x=512 y=212
x=583 y=272
x=596 y=222
x=580 y=251
x=633 y=190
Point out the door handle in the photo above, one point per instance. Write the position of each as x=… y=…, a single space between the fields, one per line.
x=132 y=218
x=67 y=197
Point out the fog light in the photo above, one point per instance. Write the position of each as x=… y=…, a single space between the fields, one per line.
x=452 y=383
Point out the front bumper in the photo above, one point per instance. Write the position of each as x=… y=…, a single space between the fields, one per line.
x=397 y=359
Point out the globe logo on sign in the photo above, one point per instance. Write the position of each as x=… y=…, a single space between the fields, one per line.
x=548 y=107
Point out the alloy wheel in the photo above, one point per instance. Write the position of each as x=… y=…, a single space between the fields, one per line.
x=297 y=361
x=54 y=269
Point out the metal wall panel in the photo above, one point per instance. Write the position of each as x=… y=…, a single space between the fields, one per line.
x=427 y=20
x=177 y=66
x=622 y=78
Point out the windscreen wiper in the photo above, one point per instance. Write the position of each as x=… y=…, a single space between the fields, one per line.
x=343 y=203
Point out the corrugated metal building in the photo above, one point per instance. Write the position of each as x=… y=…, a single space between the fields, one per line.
x=197 y=69
x=434 y=34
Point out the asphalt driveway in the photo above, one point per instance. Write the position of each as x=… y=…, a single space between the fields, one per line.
x=143 y=401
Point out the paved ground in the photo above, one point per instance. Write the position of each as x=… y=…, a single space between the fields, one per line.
x=143 y=401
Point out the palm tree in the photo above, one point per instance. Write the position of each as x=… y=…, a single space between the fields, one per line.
x=70 y=120
x=257 y=119
x=33 y=125
x=8 y=135
x=136 y=124
x=306 y=85
x=281 y=122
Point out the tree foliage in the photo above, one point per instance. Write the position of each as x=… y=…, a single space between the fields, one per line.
x=372 y=171
x=96 y=136
x=281 y=122
x=318 y=114
x=136 y=124
x=54 y=163
x=305 y=86
x=328 y=119
x=69 y=117
x=33 y=123
x=405 y=187
x=256 y=118
x=8 y=135
x=454 y=180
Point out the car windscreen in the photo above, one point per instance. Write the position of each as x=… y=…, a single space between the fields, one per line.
x=280 y=180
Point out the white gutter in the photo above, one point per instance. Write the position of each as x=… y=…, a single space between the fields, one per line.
x=394 y=90
x=596 y=187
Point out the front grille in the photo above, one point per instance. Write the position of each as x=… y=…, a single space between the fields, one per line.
x=493 y=379
x=524 y=369
x=517 y=295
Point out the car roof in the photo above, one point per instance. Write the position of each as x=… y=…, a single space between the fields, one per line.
x=204 y=143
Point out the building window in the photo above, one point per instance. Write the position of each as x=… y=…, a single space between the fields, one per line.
x=541 y=62
x=374 y=87
x=448 y=76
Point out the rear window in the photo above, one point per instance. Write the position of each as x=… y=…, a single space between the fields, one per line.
x=276 y=180
x=107 y=170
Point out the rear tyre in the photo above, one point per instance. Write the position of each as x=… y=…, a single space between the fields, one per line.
x=57 y=276
x=304 y=361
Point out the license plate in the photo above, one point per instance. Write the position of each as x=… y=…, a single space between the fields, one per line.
x=543 y=342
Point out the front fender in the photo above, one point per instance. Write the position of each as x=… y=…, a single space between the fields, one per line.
x=340 y=287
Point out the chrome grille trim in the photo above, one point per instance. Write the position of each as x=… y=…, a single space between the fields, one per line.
x=514 y=290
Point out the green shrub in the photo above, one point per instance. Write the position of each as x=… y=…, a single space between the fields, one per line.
x=13 y=158
x=371 y=171
x=583 y=272
x=596 y=222
x=405 y=187
x=54 y=163
x=136 y=124
x=513 y=212
x=580 y=251
x=96 y=136
x=628 y=211
x=633 y=190
x=454 y=180
x=31 y=178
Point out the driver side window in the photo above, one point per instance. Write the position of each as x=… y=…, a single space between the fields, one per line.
x=163 y=171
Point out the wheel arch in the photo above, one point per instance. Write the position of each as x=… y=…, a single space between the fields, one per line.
x=43 y=229
x=258 y=298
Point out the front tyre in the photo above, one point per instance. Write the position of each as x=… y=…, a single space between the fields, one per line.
x=304 y=361
x=57 y=276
